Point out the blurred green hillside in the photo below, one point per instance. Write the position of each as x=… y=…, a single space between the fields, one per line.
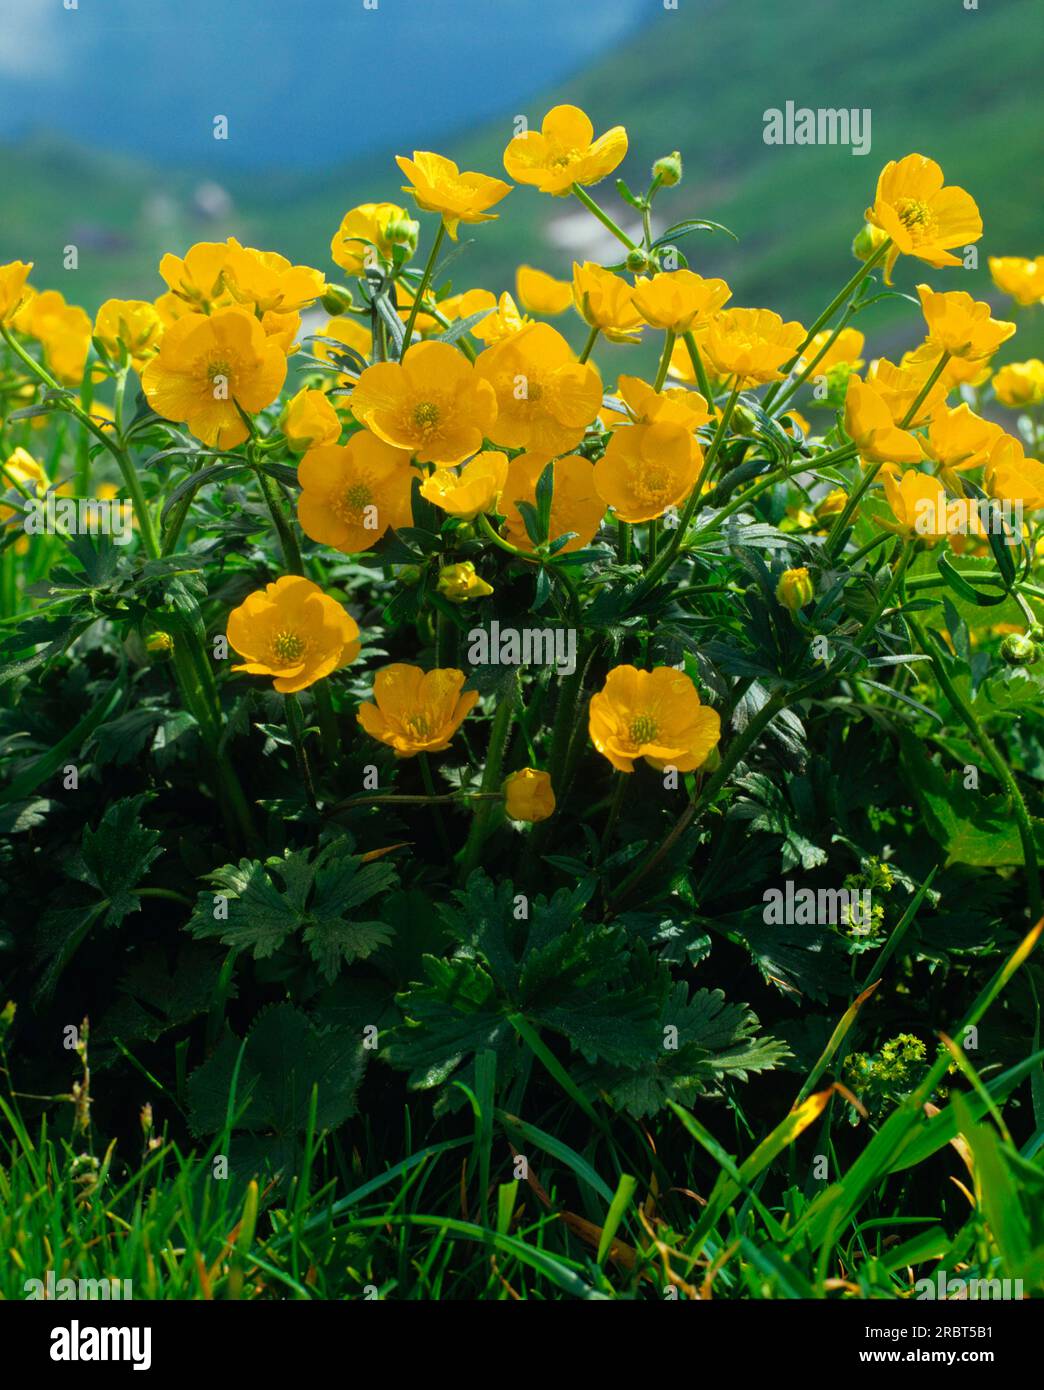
x=961 y=86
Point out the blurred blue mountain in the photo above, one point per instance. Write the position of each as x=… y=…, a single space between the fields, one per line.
x=302 y=83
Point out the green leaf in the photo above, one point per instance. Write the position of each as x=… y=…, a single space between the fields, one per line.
x=116 y=856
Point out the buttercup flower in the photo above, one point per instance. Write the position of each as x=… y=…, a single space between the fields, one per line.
x=434 y=403
x=961 y=325
x=198 y=278
x=605 y=301
x=63 y=330
x=654 y=715
x=366 y=229
x=461 y=583
x=750 y=345
x=545 y=398
x=293 y=631
x=476 y=488
x=868 y=422
x=575 y=504
x=922 y=217
x=528 y=795
x=957 y=371
x=416 y=711
x=795 y=589
x=679 y=300
x=646 y=469
x=268 y=280
x=21 y=473
x=1011 y=476
x=132 y=322
x=503 y=322
x=900 y=387
x=674 y=405
x=1020 y=383
x=918 y=504
x=960 y=439
x=564 y=151
x=308 y=420
x=13 y=288
x=352 y=493
x=439 y=186
x=833 y=504
x=540 y=293
x=1022 y=279
x=281 y=329
x=845 y=349
x=207 y=366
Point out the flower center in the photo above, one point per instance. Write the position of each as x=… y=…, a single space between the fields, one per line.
x=287 y=648
x=426 y=415
x=216 y=369
x=643 y=729
x=418 y=725
x=916 y=216
x=650 y=483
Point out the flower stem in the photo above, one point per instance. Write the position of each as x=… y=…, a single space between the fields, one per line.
x=702 y=380
x=665 y=360
x=592 y=338
x=429 y=270
x=603 y=217
x=499 y=734
x=296 y=726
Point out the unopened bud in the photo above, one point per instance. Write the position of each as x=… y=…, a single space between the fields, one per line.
x=408 y=576
x=336 y=300
x=1018 y=649
x=795 y=589
x=668 y=169
x=867 y=241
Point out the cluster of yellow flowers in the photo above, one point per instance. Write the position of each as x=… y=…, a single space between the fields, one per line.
x=476 y=428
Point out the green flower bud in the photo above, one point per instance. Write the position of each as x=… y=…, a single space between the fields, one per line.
x=409 y=576
x=668 y=170
x=1019 y=650
x=795 y=589
x=336 y=300
x=638 y=262
x=867 y=241
x=403 y=231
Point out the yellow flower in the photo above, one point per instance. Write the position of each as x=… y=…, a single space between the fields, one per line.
x=439 y=186
x=540 y=293
x=416 y=711
x=960 y=439
x=352 y=334
x=674 y=405
x=22 y=474
x=646 y=469
x=207 y=367
x=434 y=403
x=957 y=371
x=268 y=280
x=845 y=348
x=1022 y=279
x=654 y=715
x=605 y=301
x=352 y=493
x=132 y=322
x=545 y=398
x=198 y=278
x=503 y=323
x=833 y=504
x=170 y=307
x=750 y=345
x=679 y=300
x=564 y=151
x=13 y=288
x=309 y=420
x=899 y=388
x=293 y=631
x=923 y=218
x=64 y=330
x=575 y=505
x=1020 y=383
x=476 y=488
x=363 y=230
x=918 y=504
x=1011 y=476
x=868 y=422
x=962 y=325
x=281 y=329
x=461 y=583
x=528 y=795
